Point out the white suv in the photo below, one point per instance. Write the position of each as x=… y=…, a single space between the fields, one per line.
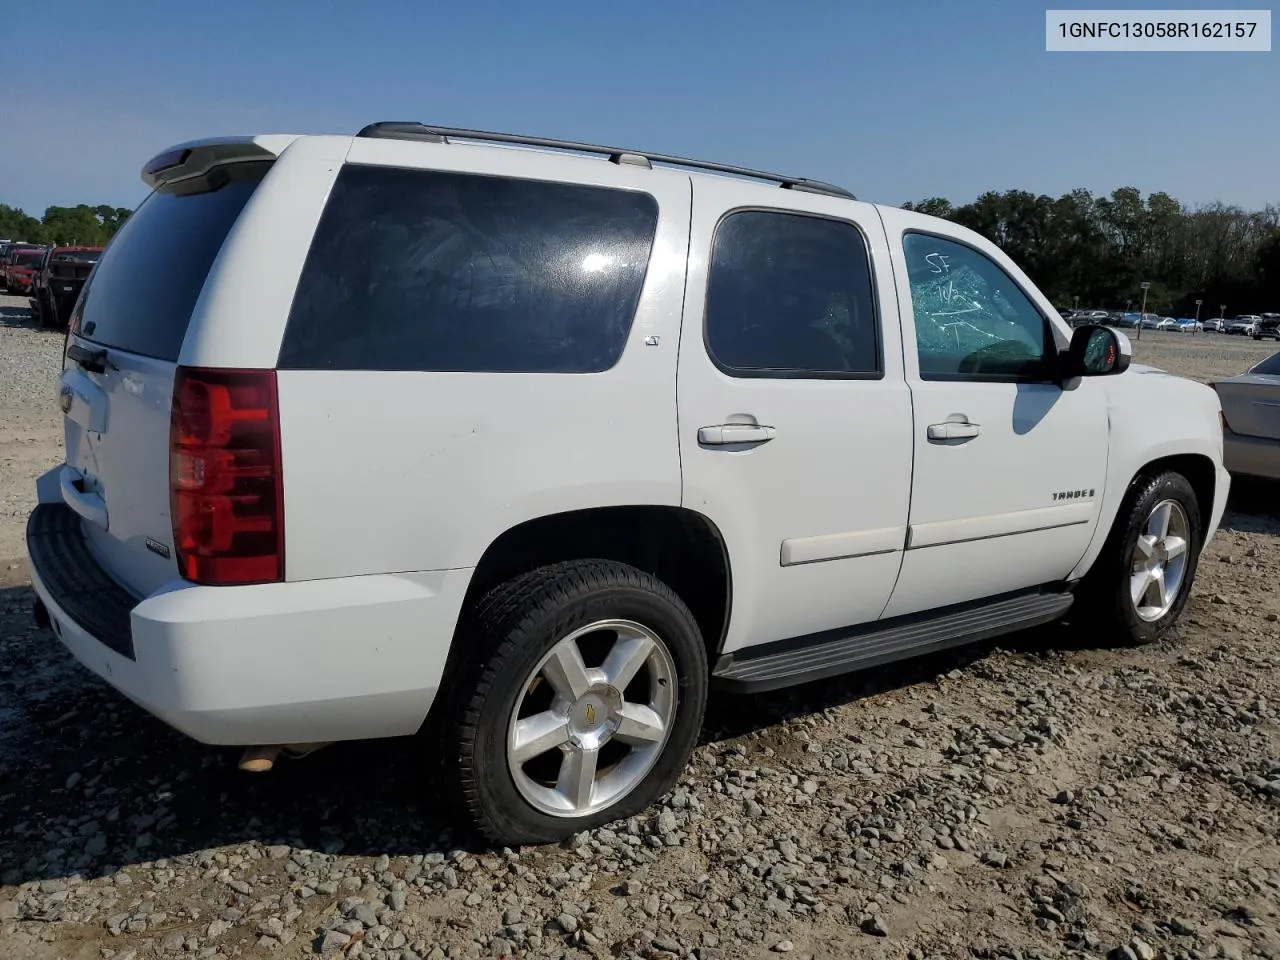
x=556 y=442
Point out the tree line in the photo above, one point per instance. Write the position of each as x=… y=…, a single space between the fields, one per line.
x=1095 y=251
x=82 y=224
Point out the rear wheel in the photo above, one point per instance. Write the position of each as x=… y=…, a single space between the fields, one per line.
x=585 y=700
x=1140 y=582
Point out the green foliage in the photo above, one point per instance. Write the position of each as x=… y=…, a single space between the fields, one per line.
x=81 y=224
x=1099 y=249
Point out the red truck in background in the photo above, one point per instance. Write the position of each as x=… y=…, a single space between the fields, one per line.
x=60 y=276
x=17 y=269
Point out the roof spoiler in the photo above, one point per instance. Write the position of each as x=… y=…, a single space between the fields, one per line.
x=197 y=157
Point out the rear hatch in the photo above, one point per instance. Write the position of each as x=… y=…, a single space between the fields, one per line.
x=1251 y=403
x=117 y=383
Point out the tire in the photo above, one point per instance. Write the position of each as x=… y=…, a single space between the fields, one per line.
x=518 y=636
x=1105 y=601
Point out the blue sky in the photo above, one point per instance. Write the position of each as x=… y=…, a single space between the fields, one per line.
x=895 y=101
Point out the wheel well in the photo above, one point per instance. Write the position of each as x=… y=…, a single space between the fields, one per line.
x=1199 y=471
x=681 y=548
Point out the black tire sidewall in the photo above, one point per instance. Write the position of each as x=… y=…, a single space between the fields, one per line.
x=501 y=810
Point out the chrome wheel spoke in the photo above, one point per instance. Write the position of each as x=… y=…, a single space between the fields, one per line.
x=625 y=660
x=1139 y=584
x=534 y=736
x=1158 y=525
x=1158 y=586
x=566 y=672
x=1146 y=546
x=640 y=725
x=1175 y=546
x=577 y=779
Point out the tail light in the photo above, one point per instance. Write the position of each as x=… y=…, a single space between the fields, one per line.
x=225 y=495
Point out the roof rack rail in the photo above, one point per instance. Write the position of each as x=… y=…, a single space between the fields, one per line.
x=410 y=130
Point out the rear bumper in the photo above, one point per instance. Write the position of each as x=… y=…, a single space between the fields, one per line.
x=1251 y=456
x=338 y=659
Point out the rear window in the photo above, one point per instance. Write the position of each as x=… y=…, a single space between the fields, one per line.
x=429 y=270
x=28 y=258
x=140 y=297
x=82 y=256
x=1271 y=365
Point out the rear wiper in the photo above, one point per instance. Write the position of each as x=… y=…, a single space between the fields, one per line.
x=92 y=360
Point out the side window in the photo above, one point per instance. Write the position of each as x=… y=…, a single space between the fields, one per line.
x=790 y=295
x=430 y=270
x=972 y=320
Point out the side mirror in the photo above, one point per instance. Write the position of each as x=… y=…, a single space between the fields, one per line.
x=1097 y=351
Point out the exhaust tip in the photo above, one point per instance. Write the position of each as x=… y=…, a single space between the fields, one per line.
x=261 y=759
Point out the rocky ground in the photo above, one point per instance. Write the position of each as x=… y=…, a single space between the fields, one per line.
x=1043 y=798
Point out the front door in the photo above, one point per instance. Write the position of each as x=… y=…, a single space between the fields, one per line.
x=794 y=418
x=1009 y=462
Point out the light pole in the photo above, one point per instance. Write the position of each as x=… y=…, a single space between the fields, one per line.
x=1222 y=311
x=1196 y=326
x=1075 y=303
x=1142 y=317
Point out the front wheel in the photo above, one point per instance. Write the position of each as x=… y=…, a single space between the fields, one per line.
x=1140 y=582
x=586 y=698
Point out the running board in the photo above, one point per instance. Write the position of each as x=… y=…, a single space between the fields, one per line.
x=833 y=652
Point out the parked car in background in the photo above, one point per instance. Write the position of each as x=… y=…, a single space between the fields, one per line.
x=1127 y=320
x=1081 y=317
x=61 y=275
x=1190 y=325
x=1167 y=323
x=19 y=267
x=1251 y=420
x=1215 y=325
x=37 y=287
x=1267 y=327
x=1244 y=325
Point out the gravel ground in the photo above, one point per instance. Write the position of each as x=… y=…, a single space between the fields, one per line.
x=1043 y=798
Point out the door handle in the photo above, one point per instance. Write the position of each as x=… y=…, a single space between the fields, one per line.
x=952 y=431
x=727 y=433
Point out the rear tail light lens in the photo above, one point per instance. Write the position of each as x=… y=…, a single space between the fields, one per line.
x=225 y=494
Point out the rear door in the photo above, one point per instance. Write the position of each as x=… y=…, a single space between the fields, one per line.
x=795 y=420
x=127 y=332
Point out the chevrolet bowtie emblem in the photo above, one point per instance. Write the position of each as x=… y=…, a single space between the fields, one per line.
x=591 y=715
